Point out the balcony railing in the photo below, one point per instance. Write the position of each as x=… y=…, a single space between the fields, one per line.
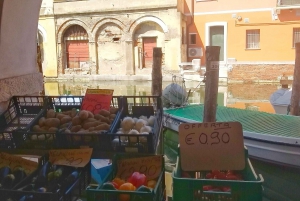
x=288 y=2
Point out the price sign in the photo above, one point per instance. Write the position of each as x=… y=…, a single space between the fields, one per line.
x=209 y=146
x=214 y=65
x=97 y=99
x=16 y=161
x=71 y=157
x=151 y=166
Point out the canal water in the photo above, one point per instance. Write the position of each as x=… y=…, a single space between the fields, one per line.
x=280 y=183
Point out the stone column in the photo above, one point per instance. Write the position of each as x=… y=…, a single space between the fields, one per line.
x=129 y=57
x=93 y=57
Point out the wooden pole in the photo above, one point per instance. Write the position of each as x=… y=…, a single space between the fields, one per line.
x=296 y=84
x=212 y=54
x=157 y=72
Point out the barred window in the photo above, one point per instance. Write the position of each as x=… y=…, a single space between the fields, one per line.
x=296 y=36
x=253 y=39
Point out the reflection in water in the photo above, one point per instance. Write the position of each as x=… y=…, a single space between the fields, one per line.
x=244 y=96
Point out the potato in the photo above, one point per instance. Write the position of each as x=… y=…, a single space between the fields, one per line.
x=50 y=114
x=104 y=126
x=67 y=131
x=97 y=116
x=91 y=124
x=60 y=115
x=65 y=119
x=83 y=114
x=65 y=125
x=103 y=118
x=67 y=112
x=104 y=112
x=91 y=115
x=52 y=129
x=112 y=116
x=42 y=121
x=73 y=112
x=113 y=110
x=75 y=128
x=52 y=122
x=37 y=128
x=89 y=120
x=91 y=129
x=76 y=121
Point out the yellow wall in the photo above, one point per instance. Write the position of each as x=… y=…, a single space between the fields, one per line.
x=49 y=45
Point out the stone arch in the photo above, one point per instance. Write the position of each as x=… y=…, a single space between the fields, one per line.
x=43 y=32
x=105 y=21
x=70 y=23
x=148 y=18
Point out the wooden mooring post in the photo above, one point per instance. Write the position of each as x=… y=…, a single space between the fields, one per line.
x=212 y=54
x=157 y=72
x=296 y=83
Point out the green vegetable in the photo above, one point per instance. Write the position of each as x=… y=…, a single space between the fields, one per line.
x=144 y=189
x=8 y=181
x=108 y=186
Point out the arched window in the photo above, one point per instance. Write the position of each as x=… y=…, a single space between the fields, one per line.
x=77 y=46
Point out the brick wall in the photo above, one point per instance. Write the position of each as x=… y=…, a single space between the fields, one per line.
x=259 y=73
x=252 y=91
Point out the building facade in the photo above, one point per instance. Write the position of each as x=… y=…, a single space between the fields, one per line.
x=109 y=38
x=257 y=38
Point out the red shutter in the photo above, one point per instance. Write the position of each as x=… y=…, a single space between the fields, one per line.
x=77 y=51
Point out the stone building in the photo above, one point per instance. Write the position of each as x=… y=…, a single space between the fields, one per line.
x=110 y=39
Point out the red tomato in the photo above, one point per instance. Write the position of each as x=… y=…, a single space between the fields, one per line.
x=231 y=177
x=116 y=185
x=209 y=176
x=220 y=176
x=225 y=188
x=215 y=172
x=207 y=188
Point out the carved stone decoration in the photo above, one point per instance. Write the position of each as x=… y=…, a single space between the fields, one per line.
x=21 y=85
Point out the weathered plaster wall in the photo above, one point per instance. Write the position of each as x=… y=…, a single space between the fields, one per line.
x=47 y=29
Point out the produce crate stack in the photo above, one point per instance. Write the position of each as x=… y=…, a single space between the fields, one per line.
x=133 y=177
x=213 y=164
x=140 y=125
x=20 y=114
x=49 y=182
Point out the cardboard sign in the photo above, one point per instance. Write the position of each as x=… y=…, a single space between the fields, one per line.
x=151 y=166
x=16 y=161
x=97 y=99
x=71 y=157
x=211 y=146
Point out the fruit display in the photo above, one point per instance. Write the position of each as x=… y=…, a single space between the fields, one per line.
x=137 y=182
x=9 y=178
x=51 y=123
x=51 y=178
x=136 y=126
x=86 y=122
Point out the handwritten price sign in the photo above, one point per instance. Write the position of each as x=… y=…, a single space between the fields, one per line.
x=71 y=157
x=16 y=161
x=151 y=166
x=209 y=146
x=97 y=99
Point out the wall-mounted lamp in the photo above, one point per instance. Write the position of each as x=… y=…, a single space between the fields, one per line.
x=239 y=18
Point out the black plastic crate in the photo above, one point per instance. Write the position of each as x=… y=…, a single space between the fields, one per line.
x=73 y=192
x=64 y=103
x=136 y=106
x=30 y=138
x=20 y=113
x=110 y=142
x=97 y=192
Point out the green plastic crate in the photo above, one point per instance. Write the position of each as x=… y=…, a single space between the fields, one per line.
x=96 y=193
x=191 y=189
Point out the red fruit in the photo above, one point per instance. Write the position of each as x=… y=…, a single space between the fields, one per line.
x=220 y=176
x=215 y=172
x=115 y=184
x=225 y=188
x=209 y=176
x=231 y=177
x=138 y=179
x=207 y=188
